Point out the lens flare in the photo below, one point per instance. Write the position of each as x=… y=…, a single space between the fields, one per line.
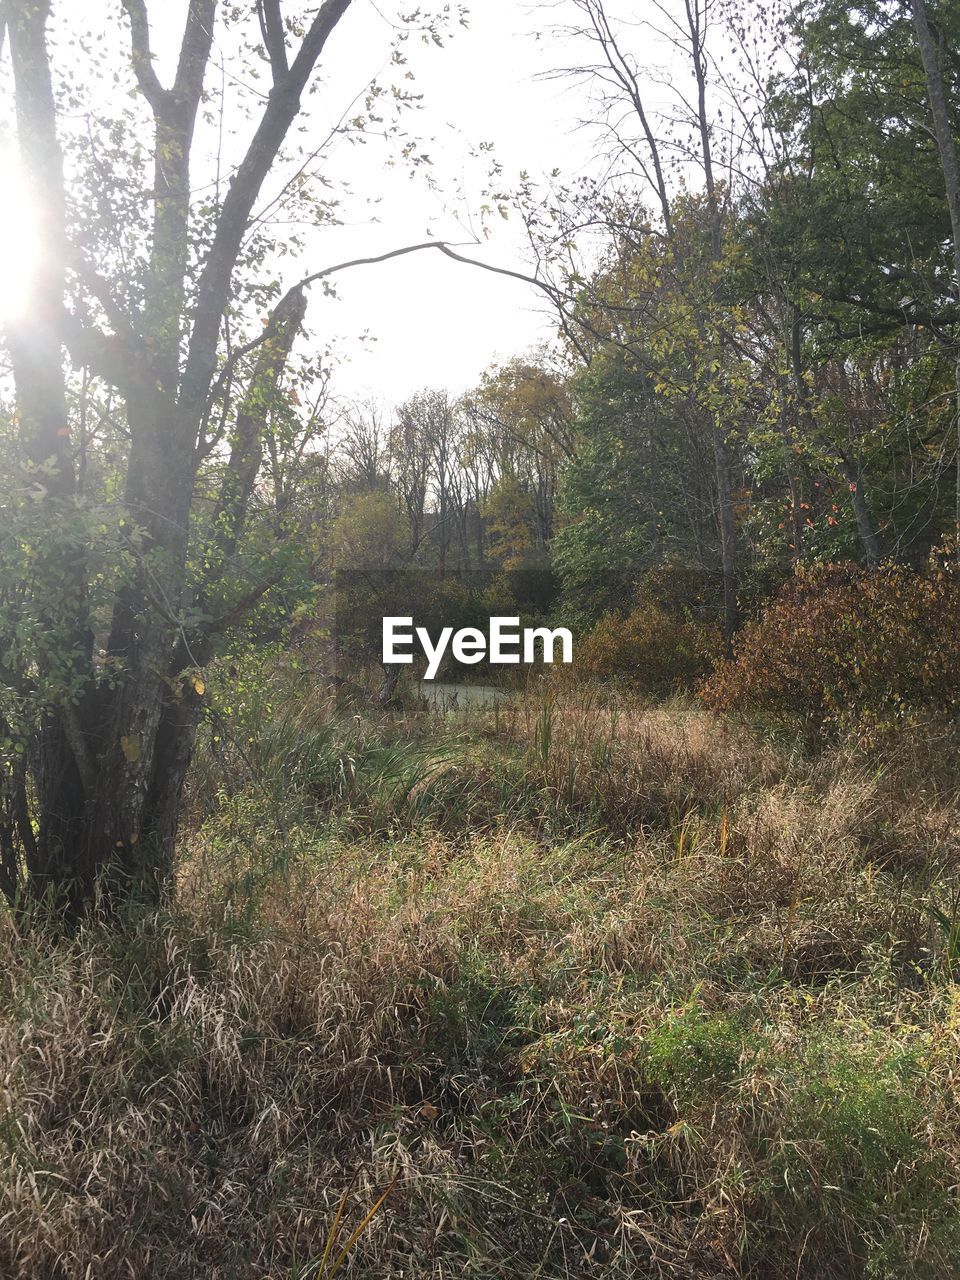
x=19 y=241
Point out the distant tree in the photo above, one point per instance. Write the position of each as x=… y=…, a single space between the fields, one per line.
x=368 y=532
x=426 y=442
x=510 y=521
x=526 y=410
x=656 y=152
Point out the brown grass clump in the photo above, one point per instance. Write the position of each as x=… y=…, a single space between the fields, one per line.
x=633 y=764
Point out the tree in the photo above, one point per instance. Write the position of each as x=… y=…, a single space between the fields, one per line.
x=368 y=532
x=867 y=335
x=106 y=608
x=795 y=318
x=647 y=150
x=426 y=446
x=525 y=408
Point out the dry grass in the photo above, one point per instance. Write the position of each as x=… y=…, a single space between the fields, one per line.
x=609 y=991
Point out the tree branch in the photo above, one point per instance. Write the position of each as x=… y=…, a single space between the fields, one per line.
x=214 y=284
x=124 y=325
x=216 y=626
x=194 y=52
x=556 y=296
x=245 y=350
x=271 y=27
x=142 y=58
x=246 y=455
x=175 y=122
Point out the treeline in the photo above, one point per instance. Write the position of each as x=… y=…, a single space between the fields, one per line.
x=759 y=367
x=452 y=485
x=766 y=352
x=758 y=313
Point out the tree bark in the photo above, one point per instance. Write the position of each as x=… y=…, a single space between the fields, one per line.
x=950 y=163
x=59 y=761
x=946 y=143
x=861 y=512
x=35 y=341
x=728 y=536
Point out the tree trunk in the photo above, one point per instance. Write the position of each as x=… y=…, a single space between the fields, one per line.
x=57 y=757
x=867 y=534
x=728 y=528
x=946 y=144
x=728 y=537
x=94 y=810
x=950 y=163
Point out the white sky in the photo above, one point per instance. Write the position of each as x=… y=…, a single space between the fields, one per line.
x=436 y=322
x=433 y=321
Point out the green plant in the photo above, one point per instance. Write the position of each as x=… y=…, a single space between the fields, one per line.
x=691 y=1050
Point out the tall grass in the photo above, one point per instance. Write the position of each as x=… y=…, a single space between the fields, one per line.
x=594 y=988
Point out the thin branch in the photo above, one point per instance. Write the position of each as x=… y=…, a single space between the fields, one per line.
x=216 y=626
x=236 y=356
x=271 y=27
x=142 y=57
x=556 y=295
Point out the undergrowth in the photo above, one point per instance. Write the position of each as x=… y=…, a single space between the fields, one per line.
x=588 y=987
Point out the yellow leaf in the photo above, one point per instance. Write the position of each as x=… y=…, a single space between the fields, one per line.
x=130 y=746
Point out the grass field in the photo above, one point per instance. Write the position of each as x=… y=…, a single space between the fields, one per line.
x=589 y=987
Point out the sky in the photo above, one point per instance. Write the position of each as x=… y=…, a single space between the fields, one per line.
x=427 y=321
x=435 y=322
x=430 y=321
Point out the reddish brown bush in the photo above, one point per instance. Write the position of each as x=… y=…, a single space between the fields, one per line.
x=842 y=646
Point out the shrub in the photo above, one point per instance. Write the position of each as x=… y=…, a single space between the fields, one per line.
x=691 y=1050
x=648 y=648
x=843 y=647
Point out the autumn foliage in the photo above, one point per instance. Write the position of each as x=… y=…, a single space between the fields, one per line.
x=844 y=647
x=649 y=648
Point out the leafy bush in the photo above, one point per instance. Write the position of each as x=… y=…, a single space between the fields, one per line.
x=842 y=646
x=649 y=648
x=691 y=1050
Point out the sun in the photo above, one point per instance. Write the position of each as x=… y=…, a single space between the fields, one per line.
x=19 y=240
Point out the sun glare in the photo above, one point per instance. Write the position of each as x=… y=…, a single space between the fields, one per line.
x=19 y=247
